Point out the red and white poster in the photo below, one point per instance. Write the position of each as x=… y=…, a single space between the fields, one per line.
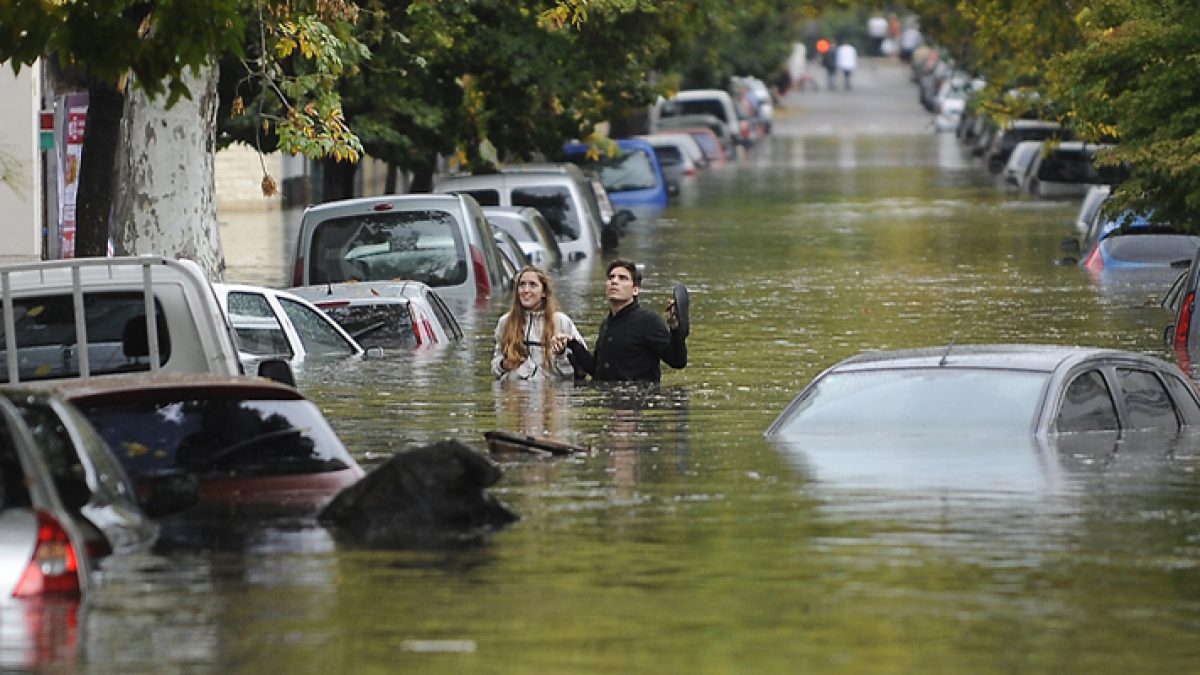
x=74 y=120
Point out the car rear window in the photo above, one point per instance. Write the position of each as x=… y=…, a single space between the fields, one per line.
x=1152 y=249
x=116 y=335
x=420 y=245
x=218 y=436
x=918 y=400
x=556 y=205
x=705 y=106
x=384 y=325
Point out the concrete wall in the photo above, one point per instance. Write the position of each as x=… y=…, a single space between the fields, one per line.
x=20 y=165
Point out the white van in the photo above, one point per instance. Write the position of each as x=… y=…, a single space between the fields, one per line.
x=561 y=192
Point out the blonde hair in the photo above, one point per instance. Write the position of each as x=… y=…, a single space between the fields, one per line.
x=512 y=338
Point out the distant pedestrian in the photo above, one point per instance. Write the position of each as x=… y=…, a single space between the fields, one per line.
x=829 y=60
x=846 y=59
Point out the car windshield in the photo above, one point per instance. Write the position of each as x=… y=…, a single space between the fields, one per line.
x=218 y=435
x=632 y=170
x=420 y=245
x=917 y=400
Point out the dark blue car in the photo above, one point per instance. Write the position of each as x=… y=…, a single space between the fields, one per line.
x=634 y=178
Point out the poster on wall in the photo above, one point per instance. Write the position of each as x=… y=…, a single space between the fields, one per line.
x=74 y=118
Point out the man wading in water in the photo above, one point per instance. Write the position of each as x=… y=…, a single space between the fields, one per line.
x=632 y=338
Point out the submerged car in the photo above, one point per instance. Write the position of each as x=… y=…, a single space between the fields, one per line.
x=632 y=176
x=991 y=390
x=274 y=324
x=1132 y=240
x=562 y=192
x=400 y=315
x=527 y=225
x=1069 y=169
x=248 y=441
x=444 y=241
x=1182 y=336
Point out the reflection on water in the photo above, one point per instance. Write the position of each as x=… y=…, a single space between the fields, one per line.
x=683 y=542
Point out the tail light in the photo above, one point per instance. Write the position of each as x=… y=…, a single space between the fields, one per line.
x=1094 y=261
x=483 y=283
x=417 y=323
x=745 y=126
x=54 y=567
x=1182 y=327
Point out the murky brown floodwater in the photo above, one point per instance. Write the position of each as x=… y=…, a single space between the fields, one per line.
x=687 y=544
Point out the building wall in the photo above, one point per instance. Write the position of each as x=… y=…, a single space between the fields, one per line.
x=20 y=164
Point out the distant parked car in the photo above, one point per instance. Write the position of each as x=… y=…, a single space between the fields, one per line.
x=527 y=225
x=1068 y=170
x=710 y=144
x=990 y=390
x=277 y=324
x=1132 y=240
x=715 y=102
x=632 y=177
x=727 y=135
x=679 y=155
x=1019 y=167
x=1018 y=131
x=249 y=441
x=562 y=193
x=444 y=241
x=399 y=315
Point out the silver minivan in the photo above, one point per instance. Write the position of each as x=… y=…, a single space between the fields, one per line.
x=561 y=192
x=444 y=241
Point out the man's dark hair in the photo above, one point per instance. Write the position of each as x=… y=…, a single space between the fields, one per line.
x=634 y=272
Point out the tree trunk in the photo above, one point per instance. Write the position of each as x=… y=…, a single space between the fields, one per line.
x=96 y=186
x=167 y=201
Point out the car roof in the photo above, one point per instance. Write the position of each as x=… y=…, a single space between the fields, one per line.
x=411 y=201
x=139 y=384
x=1045 y=358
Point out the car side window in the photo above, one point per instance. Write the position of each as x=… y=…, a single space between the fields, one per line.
x=1147 y=400
x=258 y=329
x=1185 y=400
x=318 y=337
x=58 y=452
x=1087 y=405
x=484 y=197
x=445 y=316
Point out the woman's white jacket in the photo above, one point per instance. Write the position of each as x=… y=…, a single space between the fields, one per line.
x=534 y=366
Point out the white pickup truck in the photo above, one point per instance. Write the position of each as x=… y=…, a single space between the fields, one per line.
x=98 y=316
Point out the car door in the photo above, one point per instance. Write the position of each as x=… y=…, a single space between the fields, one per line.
x=259 y=330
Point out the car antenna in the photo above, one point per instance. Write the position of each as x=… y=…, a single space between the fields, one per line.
x=946 y=354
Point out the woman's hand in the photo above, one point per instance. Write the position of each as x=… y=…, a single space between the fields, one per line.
x=558 y=343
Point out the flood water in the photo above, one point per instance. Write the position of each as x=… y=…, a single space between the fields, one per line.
x=684 y=542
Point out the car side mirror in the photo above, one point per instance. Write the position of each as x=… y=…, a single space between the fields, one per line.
x=278 y=370
x=168 y=493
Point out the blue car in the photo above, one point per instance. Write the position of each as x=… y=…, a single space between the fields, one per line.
x=634 y=178
x=1131 y=239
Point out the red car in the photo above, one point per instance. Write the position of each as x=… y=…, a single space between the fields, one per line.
x=249 y=441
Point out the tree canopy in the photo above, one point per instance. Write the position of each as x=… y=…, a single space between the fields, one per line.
x=1118 y=69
